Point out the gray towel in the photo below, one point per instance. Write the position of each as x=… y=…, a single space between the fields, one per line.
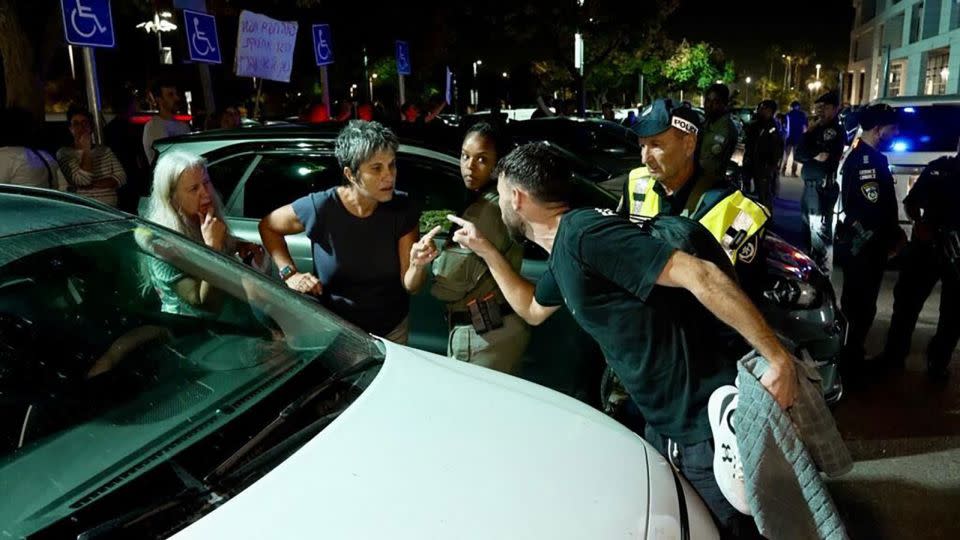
x=782 y=456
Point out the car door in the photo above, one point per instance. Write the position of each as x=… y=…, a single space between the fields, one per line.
x=274 y=179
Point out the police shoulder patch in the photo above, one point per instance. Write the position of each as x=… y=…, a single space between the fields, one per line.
x=749 y=250
x=871 y=190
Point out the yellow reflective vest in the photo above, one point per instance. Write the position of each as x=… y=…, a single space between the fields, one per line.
x=733 y=219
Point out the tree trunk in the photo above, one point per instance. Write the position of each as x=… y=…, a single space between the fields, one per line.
x=21 y=75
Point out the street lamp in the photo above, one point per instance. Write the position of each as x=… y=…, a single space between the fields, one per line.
x=746 y=102
x=475 y=98
x=818 y=71
x=159 y=24
x=373 y=77
x=506 y=75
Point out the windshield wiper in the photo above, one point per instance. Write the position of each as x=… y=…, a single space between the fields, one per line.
x=195 y=491
x=220 y=472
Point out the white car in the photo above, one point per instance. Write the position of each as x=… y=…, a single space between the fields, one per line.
x=929 y=129
x=268 y=417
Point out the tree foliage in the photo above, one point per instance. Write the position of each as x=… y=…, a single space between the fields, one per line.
x=697 y=66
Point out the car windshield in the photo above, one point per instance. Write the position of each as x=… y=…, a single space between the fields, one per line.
x=927 y=129
x=102 y=381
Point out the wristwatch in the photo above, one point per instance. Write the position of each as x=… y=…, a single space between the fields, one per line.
x=287 y=271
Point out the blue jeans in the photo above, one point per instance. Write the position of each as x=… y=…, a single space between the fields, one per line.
x=695 y=463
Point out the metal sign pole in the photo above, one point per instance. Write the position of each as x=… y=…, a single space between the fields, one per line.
x=93 y=92
x=403 y=93
x=325 y=83
x=256 y=105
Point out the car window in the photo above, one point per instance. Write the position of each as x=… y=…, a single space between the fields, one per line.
x=101 y=384
x=226 y=173
x=280 y=178
x=927 y=129
x=435 y=187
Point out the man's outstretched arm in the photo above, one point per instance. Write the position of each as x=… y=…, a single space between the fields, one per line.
x=724 y=298
x=518 y=291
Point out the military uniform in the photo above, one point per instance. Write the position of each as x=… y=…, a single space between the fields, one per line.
x=927 y=261
x=462 y=278
x=819 y=184
x=718 y=141
x=867 y=230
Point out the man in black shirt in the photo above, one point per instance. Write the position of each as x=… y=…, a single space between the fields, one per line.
x=660 y=315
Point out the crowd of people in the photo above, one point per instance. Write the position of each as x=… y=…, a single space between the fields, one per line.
x=663 y=284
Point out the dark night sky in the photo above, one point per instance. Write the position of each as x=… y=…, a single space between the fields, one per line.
x=746 y=29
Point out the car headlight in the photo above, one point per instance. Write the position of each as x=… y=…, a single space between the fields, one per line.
x=792 y=293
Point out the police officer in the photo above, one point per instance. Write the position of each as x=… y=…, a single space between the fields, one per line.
x=483 y=328
x=671 y=182
x=868 y=229
x=719 y=135
x=820 y=150
x=933 y=254
x=763 y=151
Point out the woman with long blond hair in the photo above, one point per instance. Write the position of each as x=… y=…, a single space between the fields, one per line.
x=183 y=199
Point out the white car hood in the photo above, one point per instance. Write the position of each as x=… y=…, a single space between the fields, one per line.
x=435 y=448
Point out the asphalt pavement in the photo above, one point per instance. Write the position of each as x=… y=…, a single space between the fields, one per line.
x=903 y=430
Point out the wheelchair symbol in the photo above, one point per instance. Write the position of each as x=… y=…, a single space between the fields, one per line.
x=323 y=49
x=402 y=61
x=84 y=12
x=201 y=37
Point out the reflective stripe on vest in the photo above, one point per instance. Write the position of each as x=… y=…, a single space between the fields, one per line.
x=643 y=202
x=732 y=221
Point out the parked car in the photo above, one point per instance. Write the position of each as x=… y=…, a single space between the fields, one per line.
x=608 y=145
x=271 y=417
x=929 y=129
x=257 y=170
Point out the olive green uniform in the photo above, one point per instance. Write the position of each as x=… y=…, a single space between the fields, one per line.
x=461 y=277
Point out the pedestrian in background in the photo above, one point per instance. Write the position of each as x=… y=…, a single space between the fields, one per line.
x=763 y=151
x=21 y=162
x=820 y=150
x=92 y=169
x=718 y=137
x=164 y=124
x=795 y=126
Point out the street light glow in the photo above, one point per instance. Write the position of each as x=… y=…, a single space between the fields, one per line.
x=505 y=75
x=479 y=62
x=749 y=80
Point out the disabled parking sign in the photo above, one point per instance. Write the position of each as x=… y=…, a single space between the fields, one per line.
x=88 y=23
x=322 y=44
x=202 y=37
x=403 y=58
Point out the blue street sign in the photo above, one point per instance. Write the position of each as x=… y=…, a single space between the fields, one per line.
x=322 y=44
x=202 y=37
x=88 y=23
x=403 y=58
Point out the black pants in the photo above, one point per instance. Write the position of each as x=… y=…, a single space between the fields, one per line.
x=922 y=268
x=695 y=463
x=862 y=277
x=816 y=211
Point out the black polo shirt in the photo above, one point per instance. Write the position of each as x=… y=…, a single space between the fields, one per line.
x=669 y=351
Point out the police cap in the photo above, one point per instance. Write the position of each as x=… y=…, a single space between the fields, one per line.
x=661 y=115
x=830 y=98
x=880 y=114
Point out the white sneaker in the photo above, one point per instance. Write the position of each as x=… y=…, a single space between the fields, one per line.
x=727 y=467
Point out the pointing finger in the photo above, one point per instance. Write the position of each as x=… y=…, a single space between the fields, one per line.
x=433 y=232
x=458 y=221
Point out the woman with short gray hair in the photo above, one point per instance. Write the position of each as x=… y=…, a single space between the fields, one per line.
x=367 y=255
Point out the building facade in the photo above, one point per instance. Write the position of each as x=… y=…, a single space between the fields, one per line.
x=921 y=39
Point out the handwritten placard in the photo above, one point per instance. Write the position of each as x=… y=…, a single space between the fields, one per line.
x=265 y=47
